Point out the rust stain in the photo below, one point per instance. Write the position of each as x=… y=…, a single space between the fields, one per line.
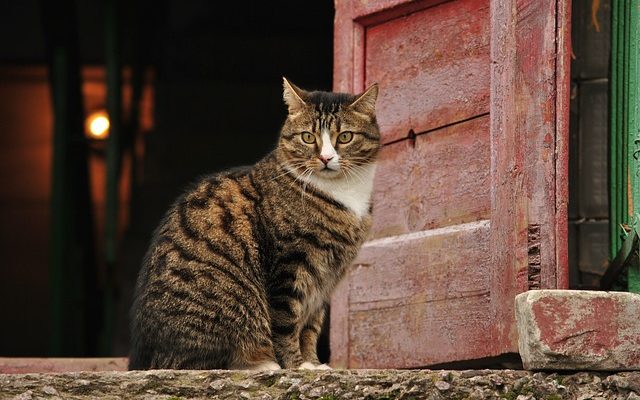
x=545 y=154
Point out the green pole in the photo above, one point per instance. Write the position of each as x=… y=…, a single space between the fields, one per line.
x=72 y=268
x=113 y=158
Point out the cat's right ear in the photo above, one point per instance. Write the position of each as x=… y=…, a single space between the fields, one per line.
x=293 y=96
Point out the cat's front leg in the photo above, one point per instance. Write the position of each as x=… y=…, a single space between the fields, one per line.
x=286 y=311
x=309 y=340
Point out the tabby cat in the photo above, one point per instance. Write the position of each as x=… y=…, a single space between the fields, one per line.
x=241 y=268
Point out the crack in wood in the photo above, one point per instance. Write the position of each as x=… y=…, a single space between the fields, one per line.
x=533 y=247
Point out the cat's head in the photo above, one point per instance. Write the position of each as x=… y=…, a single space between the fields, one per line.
x=329 y=135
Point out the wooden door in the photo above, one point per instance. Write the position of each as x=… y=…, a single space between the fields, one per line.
x=470 y=194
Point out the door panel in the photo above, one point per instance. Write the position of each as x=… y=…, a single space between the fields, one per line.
x=438 y=179
x=433 y=65
x=408 y=287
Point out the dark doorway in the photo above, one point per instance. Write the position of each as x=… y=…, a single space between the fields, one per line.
x=219 y=99
x=217 y=72
x=589 y=129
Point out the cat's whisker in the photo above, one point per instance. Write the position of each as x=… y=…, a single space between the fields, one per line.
x=301 y=177
x=360 y=167
x=361 y=160
x=345 y=172
x=352 y=170
x=342 y=169
x=308 y=172
x=295 y=166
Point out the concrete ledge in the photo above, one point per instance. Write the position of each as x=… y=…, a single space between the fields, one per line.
x=326 y=385
x=579 y=330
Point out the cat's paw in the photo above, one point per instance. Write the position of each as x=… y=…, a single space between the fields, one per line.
x=309 y=365
x=266 y=366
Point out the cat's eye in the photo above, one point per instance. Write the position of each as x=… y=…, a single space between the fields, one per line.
x=345 y=137
x=308 y=137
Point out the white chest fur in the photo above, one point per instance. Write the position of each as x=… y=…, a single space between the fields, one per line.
x=353 y=191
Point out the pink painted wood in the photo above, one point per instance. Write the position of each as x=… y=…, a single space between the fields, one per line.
x=470 y=207
x=414 y=62
x=457 y=209
x=528 y=145
x=563 y=87
x=433 y=306
x=438 y=179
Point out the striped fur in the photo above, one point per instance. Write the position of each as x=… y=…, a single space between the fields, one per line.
x=240 y=270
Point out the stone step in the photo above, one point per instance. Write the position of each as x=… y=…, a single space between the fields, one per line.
x=325 y=385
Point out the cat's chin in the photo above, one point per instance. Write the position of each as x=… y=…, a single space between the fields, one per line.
x=328 y=173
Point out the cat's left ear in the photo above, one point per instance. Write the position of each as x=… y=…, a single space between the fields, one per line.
x=366 y=102
x=293 y=96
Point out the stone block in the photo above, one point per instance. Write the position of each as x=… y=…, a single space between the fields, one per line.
x=579 y=329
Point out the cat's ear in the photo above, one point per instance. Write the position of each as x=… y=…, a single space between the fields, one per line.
x=366 y=102
x=293 y=96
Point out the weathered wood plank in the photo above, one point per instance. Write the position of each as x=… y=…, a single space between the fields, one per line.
x=438 y=179
x=524 y=207
x=508 y=238
x=563 y=101
x=343 y=47
x=535 y=113
x=375 y=12
x=425 y=81
x=420 y=334
x=412 y=289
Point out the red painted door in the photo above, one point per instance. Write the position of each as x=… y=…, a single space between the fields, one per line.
x=470 y=194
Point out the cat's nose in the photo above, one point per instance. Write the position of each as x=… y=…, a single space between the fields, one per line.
x=325 y=159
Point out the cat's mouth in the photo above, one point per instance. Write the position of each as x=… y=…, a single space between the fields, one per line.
x=328 y=168
x=328 y=172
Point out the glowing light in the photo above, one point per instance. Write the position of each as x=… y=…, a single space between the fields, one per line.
x=97 y=125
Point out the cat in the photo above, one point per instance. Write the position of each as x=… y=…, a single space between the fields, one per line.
x=241 y=269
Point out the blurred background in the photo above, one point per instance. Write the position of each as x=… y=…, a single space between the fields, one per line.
x=108 y=109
